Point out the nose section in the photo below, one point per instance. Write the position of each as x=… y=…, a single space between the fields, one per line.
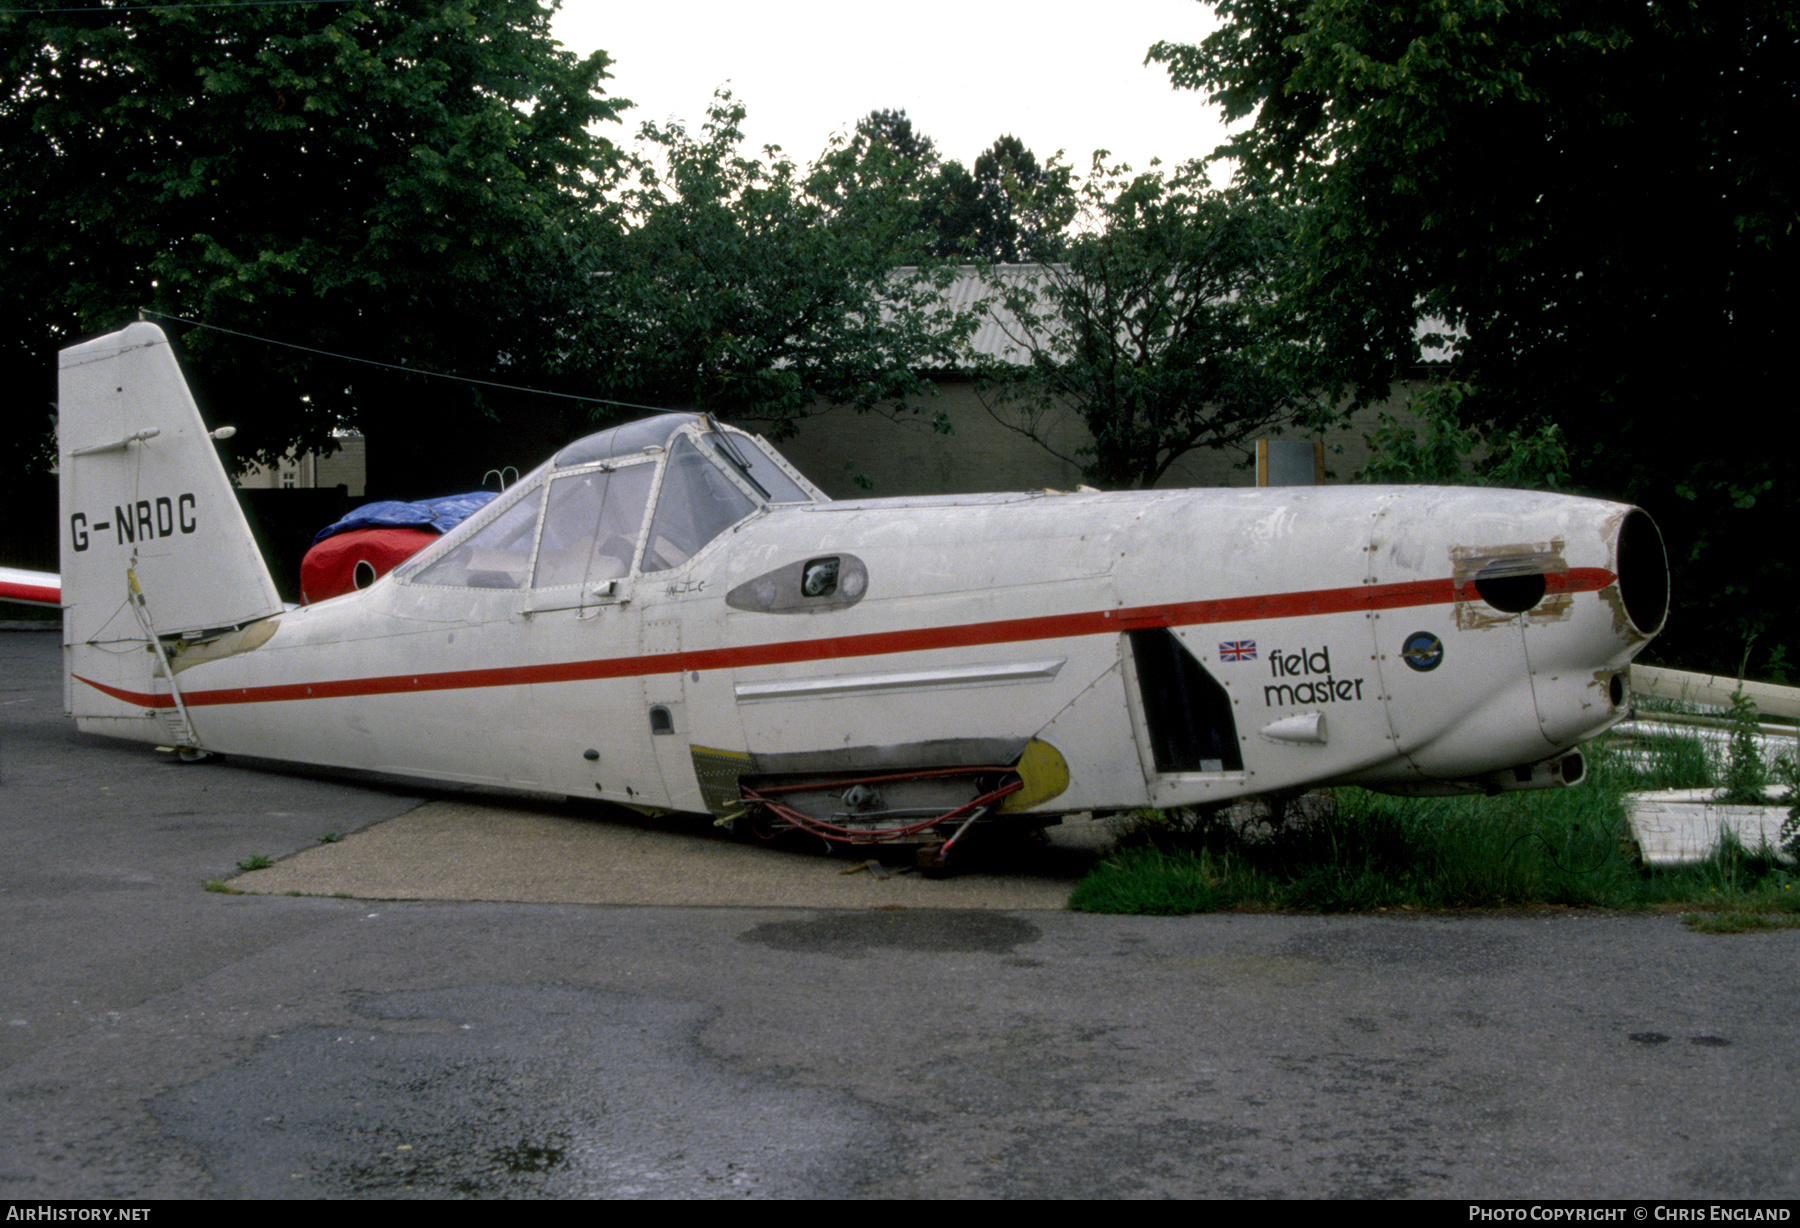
x=1554 y=595
x=1579 y=663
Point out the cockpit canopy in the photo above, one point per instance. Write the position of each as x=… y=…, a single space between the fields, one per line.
x=644 y=497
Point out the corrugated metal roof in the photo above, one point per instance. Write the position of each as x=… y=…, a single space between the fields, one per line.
x=978 y=290
x=999 y=334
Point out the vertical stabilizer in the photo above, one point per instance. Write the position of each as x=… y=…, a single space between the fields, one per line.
x=154 y=545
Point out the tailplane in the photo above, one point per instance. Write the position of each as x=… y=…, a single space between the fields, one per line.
x=156 y=554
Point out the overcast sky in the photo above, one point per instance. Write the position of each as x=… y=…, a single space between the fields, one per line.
x=1056 y=74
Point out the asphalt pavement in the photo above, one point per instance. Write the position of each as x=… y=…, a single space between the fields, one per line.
x=466 y=996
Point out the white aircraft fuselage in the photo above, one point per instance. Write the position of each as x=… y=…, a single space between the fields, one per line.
x=668 y=616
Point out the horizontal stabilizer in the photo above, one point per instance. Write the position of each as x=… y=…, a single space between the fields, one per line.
x=30 y=587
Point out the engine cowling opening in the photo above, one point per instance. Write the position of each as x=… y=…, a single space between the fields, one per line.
x=1643 y=573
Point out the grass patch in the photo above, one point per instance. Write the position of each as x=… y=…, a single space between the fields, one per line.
x=1568 y=847
x=257 y=862
x=220 y=886
x=1163 y=882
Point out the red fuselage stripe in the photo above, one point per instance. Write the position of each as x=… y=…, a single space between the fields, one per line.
x=884 y=643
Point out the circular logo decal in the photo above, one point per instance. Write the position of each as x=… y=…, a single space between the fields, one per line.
x=1423 y=651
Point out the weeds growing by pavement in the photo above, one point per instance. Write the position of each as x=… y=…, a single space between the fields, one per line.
x=1740 y=922
x=1745 y=775
x=1567 y=847
x=1787 y=771
x=257 y=862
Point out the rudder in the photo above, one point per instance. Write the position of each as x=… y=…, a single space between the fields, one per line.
x=155 y=549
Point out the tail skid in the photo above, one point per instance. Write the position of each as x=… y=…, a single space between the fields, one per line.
x=155 y=549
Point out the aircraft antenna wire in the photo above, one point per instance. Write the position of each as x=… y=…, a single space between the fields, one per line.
x=186 y=4
x=394 y=366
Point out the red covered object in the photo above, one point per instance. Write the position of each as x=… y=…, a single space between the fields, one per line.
x=354 y=560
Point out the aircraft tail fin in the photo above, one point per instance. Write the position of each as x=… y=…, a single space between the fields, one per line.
x=155 y=549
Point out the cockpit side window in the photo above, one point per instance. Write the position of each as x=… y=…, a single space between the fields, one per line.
x=591 y=525
x=748 y=455
x=498 y=555
x=697 y=502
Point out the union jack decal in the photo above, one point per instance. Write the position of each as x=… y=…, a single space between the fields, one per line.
x=1237 y=650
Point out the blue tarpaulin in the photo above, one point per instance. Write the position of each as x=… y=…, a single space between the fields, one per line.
x=441 y=514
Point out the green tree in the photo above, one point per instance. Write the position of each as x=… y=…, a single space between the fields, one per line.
x=410 y=180
x=1437 y=448
x=1010 y=209
x=762 y=290
x=884 y=156
x=893 y=132
x=1598 y=197
x=1163 y=327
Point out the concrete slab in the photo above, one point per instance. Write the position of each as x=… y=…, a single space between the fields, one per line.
x=1683 y=826
x=457 y=850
